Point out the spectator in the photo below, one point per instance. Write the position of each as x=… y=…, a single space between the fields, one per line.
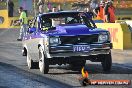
x=49 y=7
x=93 y=4
x=99 y=11
x=10 y=8
x=41 y=6
x=54 y=9
x=23 y=22
x=109 y=12
x=89 y=12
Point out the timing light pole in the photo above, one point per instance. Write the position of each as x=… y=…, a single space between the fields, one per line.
x=35 y=8
x=7 y=4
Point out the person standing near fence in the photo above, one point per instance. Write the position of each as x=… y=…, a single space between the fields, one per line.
x=109 y=12
x=10 y=8
x=41 y=6
x=93 y=4
x=99 y=11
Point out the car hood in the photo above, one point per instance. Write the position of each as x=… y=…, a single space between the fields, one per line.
x=74 y=30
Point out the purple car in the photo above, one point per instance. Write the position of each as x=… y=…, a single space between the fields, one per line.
x=66 y=38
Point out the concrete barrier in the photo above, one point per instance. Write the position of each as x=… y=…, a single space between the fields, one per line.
x=4 y=23
x=7 y=22
x=14 y=20
x=121 y=36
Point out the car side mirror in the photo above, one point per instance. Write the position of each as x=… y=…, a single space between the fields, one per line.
x=31 y=30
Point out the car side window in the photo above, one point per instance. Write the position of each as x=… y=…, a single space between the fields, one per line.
x=46 y=23
x=33 y=26
x=87 y=21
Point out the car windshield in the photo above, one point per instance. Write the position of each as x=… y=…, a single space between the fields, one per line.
x=54 y=19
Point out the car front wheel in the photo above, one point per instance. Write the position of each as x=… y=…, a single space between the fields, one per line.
x=43 y=61
x=106 y=62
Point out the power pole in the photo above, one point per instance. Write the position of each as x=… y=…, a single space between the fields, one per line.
x=35 y=8
x=7 y=4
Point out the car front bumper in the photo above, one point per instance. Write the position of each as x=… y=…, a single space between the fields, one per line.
x=67 y=50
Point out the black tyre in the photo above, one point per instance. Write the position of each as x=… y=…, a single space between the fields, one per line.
x=43 y=61
x=106 y=62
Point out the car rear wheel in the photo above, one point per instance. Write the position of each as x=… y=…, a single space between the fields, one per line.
x=29 y=62
x=43 y=62
x=106 y=62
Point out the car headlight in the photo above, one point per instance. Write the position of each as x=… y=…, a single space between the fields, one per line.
x=103 y=37
x=54 y=40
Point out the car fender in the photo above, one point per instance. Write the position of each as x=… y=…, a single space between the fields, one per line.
x=41 y=43
x=25 y=46
x=45 y=47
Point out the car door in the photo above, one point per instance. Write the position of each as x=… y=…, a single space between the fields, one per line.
x=33 y=41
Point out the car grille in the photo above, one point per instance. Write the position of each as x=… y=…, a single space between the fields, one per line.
x=79 y=39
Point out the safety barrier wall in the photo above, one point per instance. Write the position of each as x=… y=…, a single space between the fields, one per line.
x=4 y=23
x=7 y=22
x=13 y=20
x=121 y=35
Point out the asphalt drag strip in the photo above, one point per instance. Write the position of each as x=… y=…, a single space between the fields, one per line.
x=14 y=72
x=13 y=77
